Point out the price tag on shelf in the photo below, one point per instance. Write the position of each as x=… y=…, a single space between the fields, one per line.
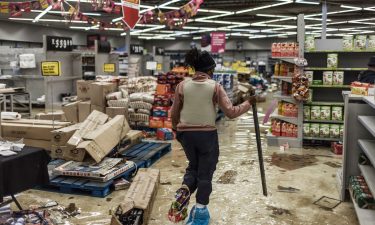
x=51 y=68
x=55 y=43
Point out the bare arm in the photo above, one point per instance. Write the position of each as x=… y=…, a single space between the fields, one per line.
x=177 y=106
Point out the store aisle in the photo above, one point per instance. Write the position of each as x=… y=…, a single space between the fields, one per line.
x=237 y=198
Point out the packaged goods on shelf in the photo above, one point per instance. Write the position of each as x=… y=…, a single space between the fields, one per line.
x=306 y=130
x=360 y=42
x=325 y=112
x=337 y=113
x=286 y=49
x=334 y=131
x=324 y=130
x=359 y=88
x=361 y=192
x=314 y=129
x=288 y=109
x=310 y=76
x=283 y=129
x=315 y=113
x=338 y=78
x=341 y=131
x=371 y=43
x=327 y=77
x=332 y=60
x=310 y=43
x=307 y=112
x=347 y=43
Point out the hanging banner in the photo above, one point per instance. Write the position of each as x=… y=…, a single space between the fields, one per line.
x=218 y=42
x=51 y=68
x=130 y=11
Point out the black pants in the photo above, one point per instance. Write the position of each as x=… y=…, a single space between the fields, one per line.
x=202 y=150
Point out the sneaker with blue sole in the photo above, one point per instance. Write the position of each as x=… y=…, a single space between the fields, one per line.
x=199 y=216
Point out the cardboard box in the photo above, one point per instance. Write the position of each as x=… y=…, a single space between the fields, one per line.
x=98 y=108
x=164 y=134
x=61 y=152
x=91 y=123
x=73 y=153
x=62 y=136
x=71 y=112
x=28 y=131
x=101 y=141
x=84 y=110
x=142 y=191
x=38 y=122
x=59 y=116
x=98 y=92
x=114 y=111
x=83 y=89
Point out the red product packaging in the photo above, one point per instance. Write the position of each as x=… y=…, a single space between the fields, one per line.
x=156 y=122
x=284 y=127
x=295 y=131
x=163 y=89
x=168 y=123
x=170 y=112
x=337 y=148
x=164 y=134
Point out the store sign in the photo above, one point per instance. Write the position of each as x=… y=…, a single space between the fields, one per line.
x=130 y=10
x=109 y=67
x=59 y=44
x=136 y=49
x=159 y=67
x=217 y=42
x=159 y=51
x=51 y=68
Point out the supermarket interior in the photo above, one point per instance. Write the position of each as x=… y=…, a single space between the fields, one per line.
x=196 y=112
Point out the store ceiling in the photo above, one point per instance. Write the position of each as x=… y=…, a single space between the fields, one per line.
x=238 y=18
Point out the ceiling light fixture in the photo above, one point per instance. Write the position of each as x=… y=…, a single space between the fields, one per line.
x=307 y=2
x=351 y=7
x=263 y=7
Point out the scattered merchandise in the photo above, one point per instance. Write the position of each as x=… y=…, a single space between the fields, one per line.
x=337 y=148
x=164 y=134
x=359 y=88
x=121 y=184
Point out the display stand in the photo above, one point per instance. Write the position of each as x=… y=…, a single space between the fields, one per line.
x=359 y=137
x=291 y=141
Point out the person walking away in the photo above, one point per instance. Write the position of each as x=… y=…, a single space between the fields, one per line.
x=368 y=76
x=194 y=119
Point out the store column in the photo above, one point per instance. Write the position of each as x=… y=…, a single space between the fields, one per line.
x=127 y=45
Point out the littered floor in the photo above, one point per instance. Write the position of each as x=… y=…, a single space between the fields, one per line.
x=237 y=195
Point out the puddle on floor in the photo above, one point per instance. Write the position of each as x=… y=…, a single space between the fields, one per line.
x=293 y=161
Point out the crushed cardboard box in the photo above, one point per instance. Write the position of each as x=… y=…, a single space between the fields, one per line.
x=60 y=137
x=101 y=141
x=141 y=193
x=83 y=89
x=71 y=112
x=67 y=152
x=98 y=92
x=59 y=116
x=84 y=110
x=92 y=122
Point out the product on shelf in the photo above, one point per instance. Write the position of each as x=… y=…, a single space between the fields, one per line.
x=283 y=129
x=338 y=78
x=324 y=130
x=317 y=82
x=347 y=43
x=371 y=43
x=277 y=69
x=310 y=98
x=309 y=43
x=300 y=88
x=287 y=109
x=286 y=49
x=341 y=131
x=337 y=113
x=286 y=88
x=307 y=112
x=359 y=88
x=314 y=129
x=310 y=76
x=361 y=192
x=334 y=131
x=327 y=77
x=360 y=42
x=315 y=112
x=332 y=60
x=325 y=112
x=306 y=130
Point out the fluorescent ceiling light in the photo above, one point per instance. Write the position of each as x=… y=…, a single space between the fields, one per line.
x=307 y=2
x=270 y=15
x=48 y=20
x=66 y=13
x=197 y=38
x=350 y=7
x=37 y=18
x=263 y=7
x=148 y=29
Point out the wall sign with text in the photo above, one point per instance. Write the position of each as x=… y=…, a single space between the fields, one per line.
x=59 y=44
x=136 y=49
x=109 y=67
x=51 y=68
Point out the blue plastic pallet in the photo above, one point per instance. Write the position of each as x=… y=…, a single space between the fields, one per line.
x=85 y=186
x=146 y=154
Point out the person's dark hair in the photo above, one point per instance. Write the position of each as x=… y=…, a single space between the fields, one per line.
x=200 y=61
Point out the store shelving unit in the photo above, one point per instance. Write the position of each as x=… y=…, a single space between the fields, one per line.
x=359 y=137
x=334 y=69
x=321 y=139
x=291 y=141
x=324 y=121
